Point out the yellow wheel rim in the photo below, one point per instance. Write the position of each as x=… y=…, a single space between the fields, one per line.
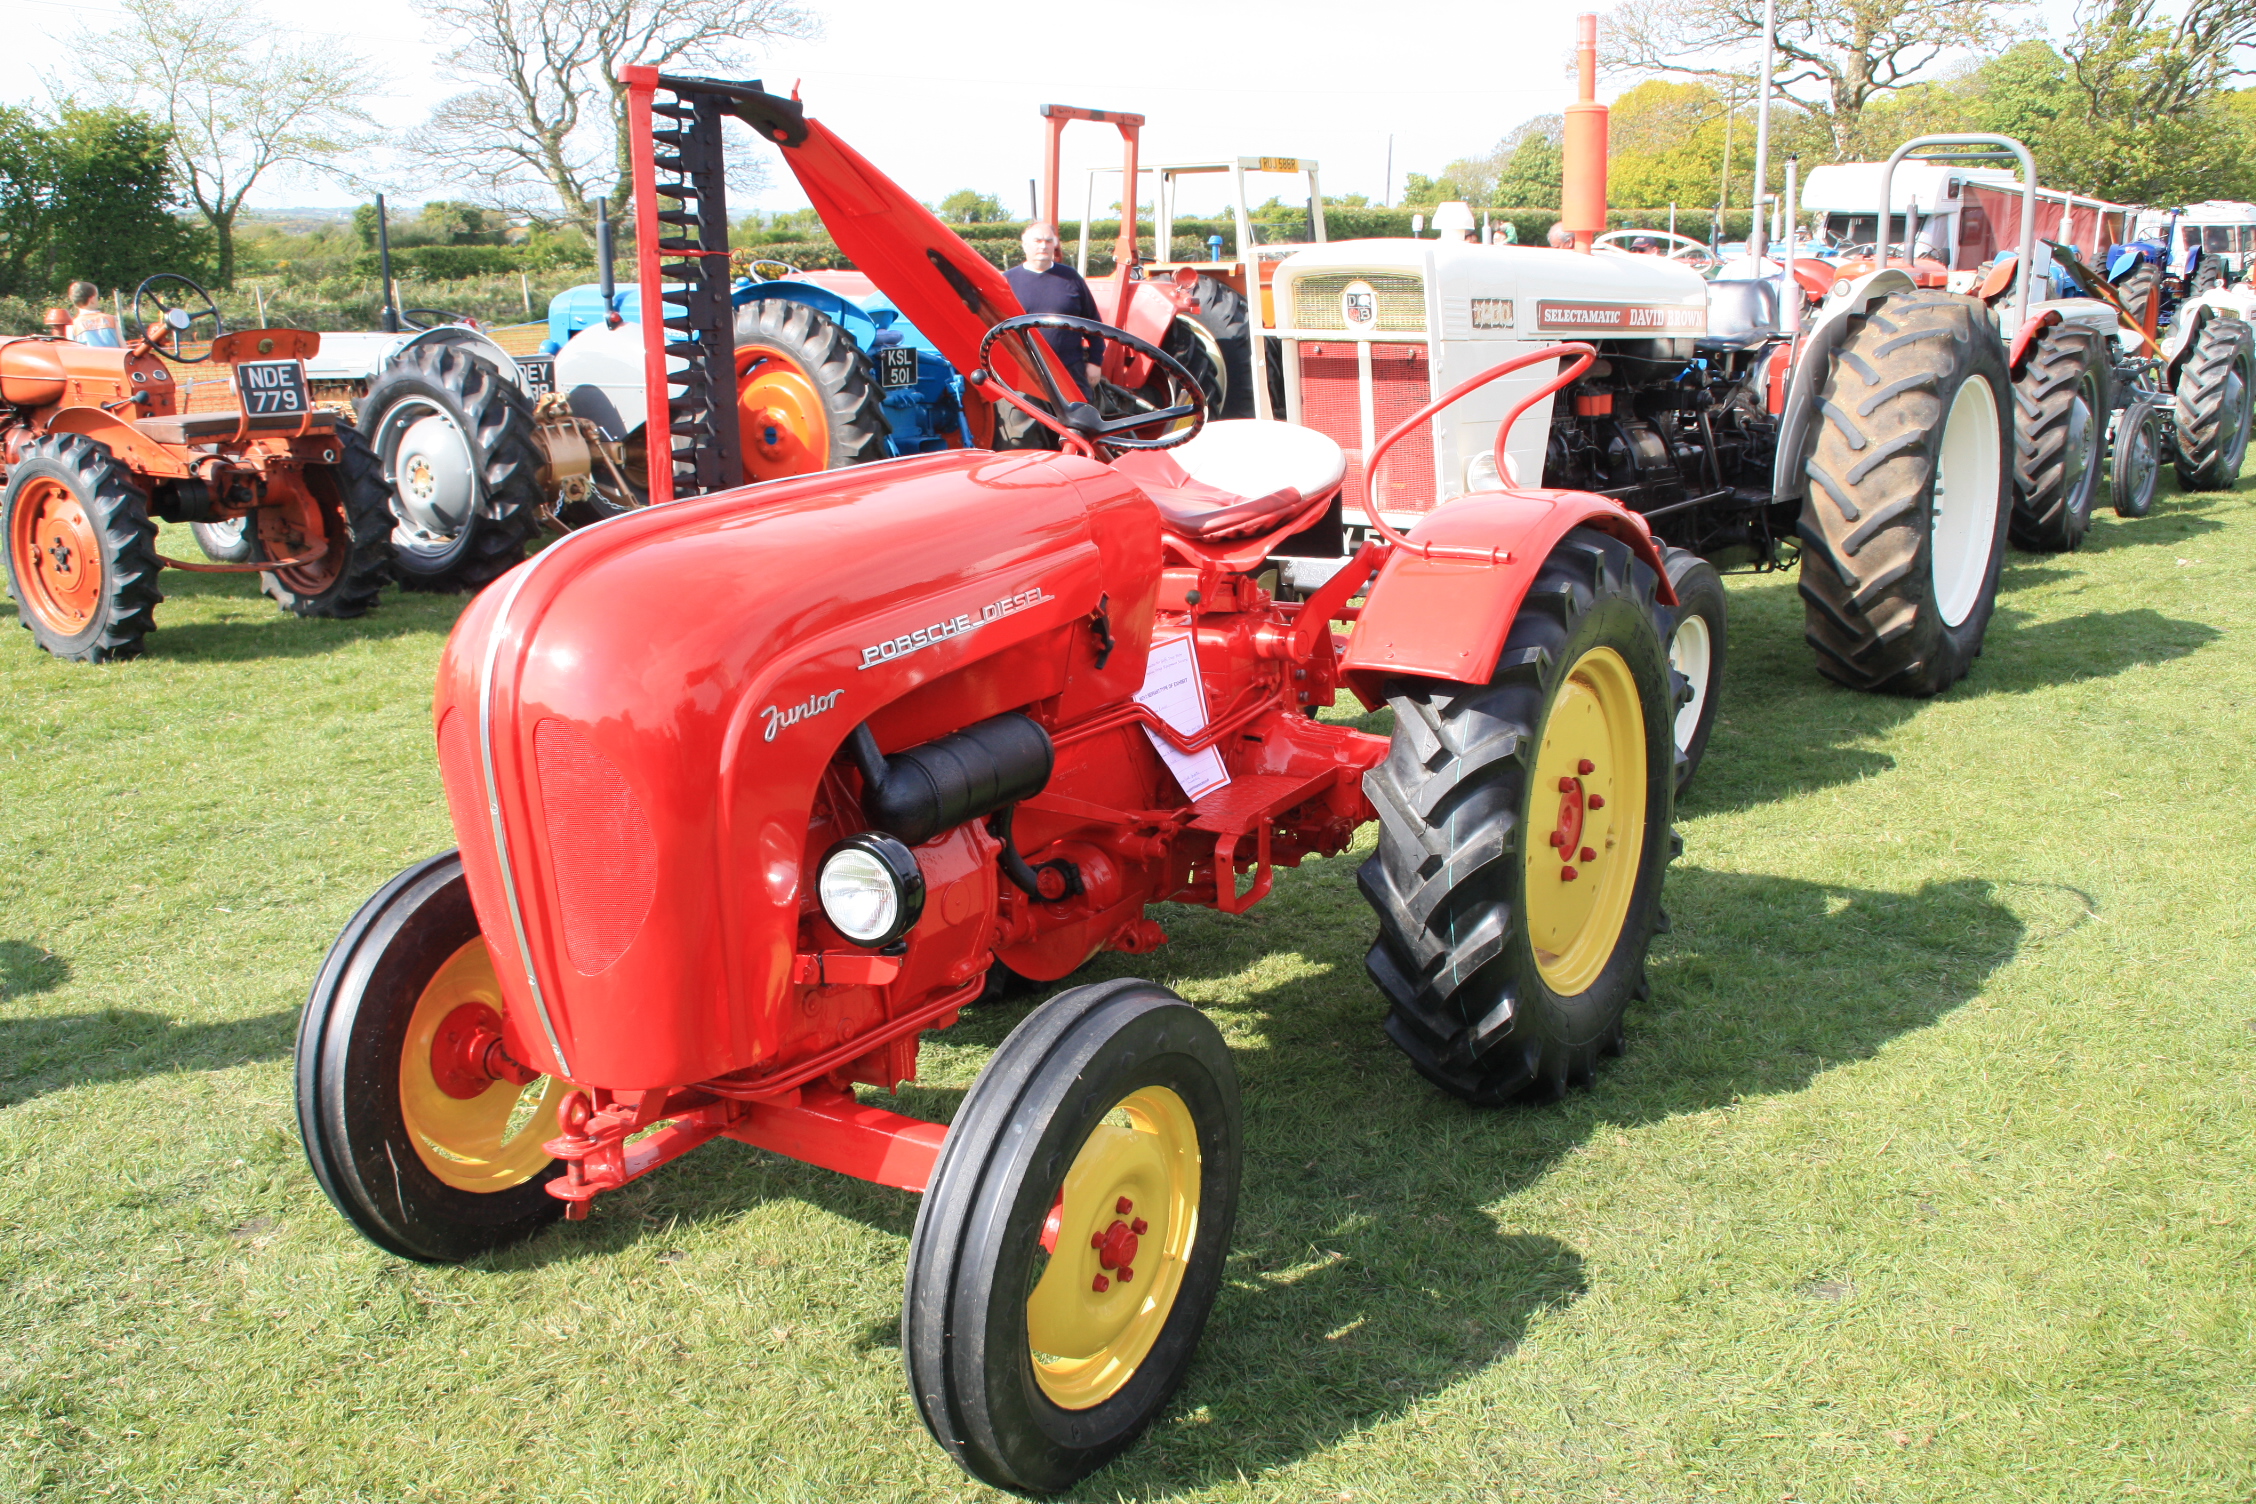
x=1088 y=1326
x=487 y=1142
x=1586 y=821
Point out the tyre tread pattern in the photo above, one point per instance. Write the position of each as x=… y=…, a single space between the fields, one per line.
x=2207 y=435
x=507 y=514
x=2045 y=518
x=129 y=549
x=852 y=399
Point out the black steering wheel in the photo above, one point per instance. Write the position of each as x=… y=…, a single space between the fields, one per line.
x=1081 y=420
x=434 y=318
x=178 y=311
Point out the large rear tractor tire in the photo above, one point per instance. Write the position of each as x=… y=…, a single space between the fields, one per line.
x=356 y=519
x=1073 y=1238
x=1696 y=644
x=455 y=440
x=424 y=1150
x=2207 y=277
x=807 y=396
x=2138 y=289
x=2214 y=389
x=1903 y=530
x=1524 y=827
x=2061 y=403
x=82 y=552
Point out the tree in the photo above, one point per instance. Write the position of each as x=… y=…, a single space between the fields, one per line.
x=234 y=109
x=1841 y=57
x=543 y=128
x=967 y=206
x=89 y=194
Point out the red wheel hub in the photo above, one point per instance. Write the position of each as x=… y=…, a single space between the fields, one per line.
x=467 y=1055
x=1566 y=836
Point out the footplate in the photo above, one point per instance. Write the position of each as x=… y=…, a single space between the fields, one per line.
x=1251 y=803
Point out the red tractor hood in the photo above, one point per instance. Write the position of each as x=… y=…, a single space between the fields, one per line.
x=948 y=290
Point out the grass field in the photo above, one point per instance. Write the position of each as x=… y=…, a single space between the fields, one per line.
x=1926 y=1176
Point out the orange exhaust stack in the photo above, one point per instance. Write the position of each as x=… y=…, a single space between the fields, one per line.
x=1582 y=199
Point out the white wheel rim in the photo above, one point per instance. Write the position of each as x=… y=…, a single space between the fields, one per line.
x=1692 y=654
x=1967 y=472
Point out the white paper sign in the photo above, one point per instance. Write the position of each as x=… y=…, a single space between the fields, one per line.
x=1172 y=691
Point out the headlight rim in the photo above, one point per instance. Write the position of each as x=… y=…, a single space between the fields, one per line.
x=900 y=864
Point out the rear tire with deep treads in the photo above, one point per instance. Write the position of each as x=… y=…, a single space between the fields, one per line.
x=356 y=516
x=825 y=409
x=81 y=550
x=1899 y=571
x=2138 y=289
x=2215 y=386
x=2061 y=403
x=1073 y=1110
x=441 y=408
x=1463 y=803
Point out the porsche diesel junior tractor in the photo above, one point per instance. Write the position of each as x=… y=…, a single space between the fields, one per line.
x=947 y=718
x=96 y=449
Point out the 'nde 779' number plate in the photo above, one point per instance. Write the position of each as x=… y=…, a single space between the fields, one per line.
x=272 y=388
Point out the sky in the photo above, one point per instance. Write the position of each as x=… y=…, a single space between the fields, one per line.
x=944 y=97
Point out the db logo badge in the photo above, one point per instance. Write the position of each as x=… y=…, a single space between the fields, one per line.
x=1359 y=307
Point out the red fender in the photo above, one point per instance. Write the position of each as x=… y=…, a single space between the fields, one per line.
x=1447 y=618
x=2027 y=337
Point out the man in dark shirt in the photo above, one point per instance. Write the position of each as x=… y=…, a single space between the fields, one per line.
x=1044 y=284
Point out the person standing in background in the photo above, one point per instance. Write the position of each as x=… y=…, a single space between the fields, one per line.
x=1044 y=284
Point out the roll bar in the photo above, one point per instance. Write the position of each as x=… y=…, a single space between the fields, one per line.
x=2002 y=148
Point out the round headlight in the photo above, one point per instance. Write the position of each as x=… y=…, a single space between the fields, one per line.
x=871 y=889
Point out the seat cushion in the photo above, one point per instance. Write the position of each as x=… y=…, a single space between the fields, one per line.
x=1253 y=457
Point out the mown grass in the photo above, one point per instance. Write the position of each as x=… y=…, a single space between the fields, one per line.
x=1925 y=1177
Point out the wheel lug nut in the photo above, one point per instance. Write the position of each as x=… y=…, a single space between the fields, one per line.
x=1139 y=1227
x=1566 y=785
x=1096 y=1240
x=1567 y=874
x=1586 y=766
x=1100 y=1284
x=1126 y=1274
x=1124 y=1206
x=1588 y=855
x=1558 y=839
x=1597 y=801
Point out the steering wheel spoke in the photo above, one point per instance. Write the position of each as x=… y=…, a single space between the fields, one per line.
x=1134 y=421
x=153 y=288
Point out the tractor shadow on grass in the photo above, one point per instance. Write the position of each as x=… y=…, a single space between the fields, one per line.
x=2178 y=517
x=1783 y=730
x=40 y=1055
x=253 y=629
x=1376 y=1259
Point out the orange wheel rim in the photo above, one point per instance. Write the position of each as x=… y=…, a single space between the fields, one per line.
x=57 y=554
x=780 y=414
x=281 y=532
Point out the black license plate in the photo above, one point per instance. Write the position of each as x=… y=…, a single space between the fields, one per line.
x=896 y=367
x=272 y=388
x=539 y=372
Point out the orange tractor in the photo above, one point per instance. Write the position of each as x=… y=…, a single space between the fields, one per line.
x=96 y=449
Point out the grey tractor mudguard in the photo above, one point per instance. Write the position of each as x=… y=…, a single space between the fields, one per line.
x=1789 y=479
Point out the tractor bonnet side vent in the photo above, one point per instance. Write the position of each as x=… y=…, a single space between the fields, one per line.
x=600 y=846
x=1317 y=301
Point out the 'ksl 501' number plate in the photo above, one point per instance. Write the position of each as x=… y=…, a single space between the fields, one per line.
x=896 y=367
x=272 y=388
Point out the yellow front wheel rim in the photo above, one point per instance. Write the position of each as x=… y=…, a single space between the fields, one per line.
x=1586 y=821
x=1108 y=1290
x=487 y=1142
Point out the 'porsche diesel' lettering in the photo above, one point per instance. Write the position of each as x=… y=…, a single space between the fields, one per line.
x=954 y=626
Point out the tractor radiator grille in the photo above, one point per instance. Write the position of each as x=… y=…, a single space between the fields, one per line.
x=1402 y=301
x=1400 y=386
x=599 y=845
x=466 y=802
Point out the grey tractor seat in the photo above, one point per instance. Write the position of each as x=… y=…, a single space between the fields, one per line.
x=1741 y=315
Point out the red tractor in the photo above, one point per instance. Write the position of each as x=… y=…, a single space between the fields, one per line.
x=96 y=448
x=956 y=718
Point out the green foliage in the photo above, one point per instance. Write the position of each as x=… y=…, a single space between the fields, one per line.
x=967 y=206
x=88 y=194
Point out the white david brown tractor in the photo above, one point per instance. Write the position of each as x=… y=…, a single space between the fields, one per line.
x=1875 y=449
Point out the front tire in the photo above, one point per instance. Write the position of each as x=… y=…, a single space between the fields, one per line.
x=229 y=542
x=1696 y=644
x=356 y=520
x=2214 y=389
x=2061 y=401
x=1524 y=826
x=423 y=1171
x=1903 y=530
x=456 y=444
x=1073 y=1238
x=2136 y=469
x=82 y=552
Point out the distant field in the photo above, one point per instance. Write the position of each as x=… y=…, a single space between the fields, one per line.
x=1925 y=1178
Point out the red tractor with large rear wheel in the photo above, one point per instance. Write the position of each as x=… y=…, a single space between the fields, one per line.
x=946 y=721
x=96 y=448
